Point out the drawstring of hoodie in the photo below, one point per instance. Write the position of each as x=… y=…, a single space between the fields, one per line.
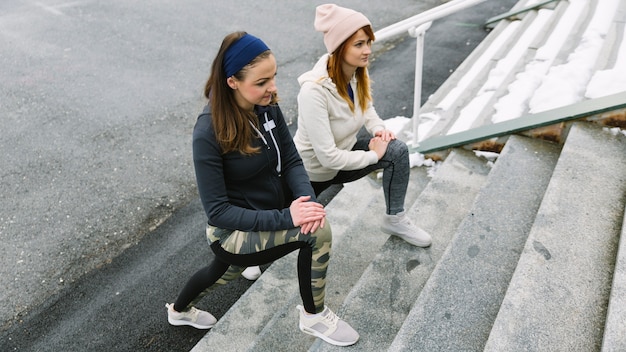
x=269 y=129
x=279 y=164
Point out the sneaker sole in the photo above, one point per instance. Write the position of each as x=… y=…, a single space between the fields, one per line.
x=411 y=241
x=315 y=333
x=183 y=323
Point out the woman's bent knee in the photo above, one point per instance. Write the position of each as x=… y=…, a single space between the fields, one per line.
x=323 y=234
x=398 y=147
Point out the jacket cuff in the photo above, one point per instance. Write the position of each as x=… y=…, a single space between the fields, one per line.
x=373 y=157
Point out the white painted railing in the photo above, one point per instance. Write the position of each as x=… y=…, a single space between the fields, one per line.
x=417 y=26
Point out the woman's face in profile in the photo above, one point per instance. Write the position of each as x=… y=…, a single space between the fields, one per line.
x=258 y=85
x=358 y=50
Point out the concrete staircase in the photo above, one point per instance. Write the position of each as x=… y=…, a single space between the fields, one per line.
x=530 y=266
x=526 y=252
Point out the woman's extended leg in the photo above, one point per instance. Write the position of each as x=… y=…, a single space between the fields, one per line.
x=241 y=249
x=245 y=249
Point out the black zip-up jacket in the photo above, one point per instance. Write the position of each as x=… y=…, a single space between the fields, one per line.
x=247 y=193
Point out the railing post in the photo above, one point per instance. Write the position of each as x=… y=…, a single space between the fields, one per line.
x=418 y=33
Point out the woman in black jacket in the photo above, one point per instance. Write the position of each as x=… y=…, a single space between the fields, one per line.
x=255 y=191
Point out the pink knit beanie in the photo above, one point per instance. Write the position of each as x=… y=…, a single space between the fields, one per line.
x=338 y=24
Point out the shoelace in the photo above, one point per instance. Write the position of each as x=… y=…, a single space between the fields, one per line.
x=331 y=318
x=193 y=314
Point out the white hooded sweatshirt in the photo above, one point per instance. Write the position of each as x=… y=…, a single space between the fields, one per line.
x=327 y=129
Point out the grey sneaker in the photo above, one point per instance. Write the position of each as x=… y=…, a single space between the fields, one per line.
x=328 y=327
x=400 y=225
x=197 y=318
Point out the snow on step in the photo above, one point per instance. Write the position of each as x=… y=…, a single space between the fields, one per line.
x=501 y=72
x=515 y=103
x=430 y=119
x=604 y=82
x=481 y=63
x=570 y=79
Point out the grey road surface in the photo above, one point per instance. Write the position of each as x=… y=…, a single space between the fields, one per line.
x=99 y=219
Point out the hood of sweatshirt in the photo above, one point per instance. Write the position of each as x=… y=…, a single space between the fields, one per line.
x=318 y=74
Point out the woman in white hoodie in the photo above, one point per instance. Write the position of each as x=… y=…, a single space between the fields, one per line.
x=334 y=103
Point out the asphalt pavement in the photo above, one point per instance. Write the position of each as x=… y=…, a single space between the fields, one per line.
x=100 y=223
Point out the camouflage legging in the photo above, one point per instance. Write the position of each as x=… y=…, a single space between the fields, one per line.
x=236 y=250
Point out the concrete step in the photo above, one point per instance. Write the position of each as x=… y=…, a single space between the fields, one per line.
x=614 y=339
x=383 y=296
x=558 y=296
x=462 y=296
x=351 y=254
x=269 y=304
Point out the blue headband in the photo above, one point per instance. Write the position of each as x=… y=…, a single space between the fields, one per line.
x=241 y=52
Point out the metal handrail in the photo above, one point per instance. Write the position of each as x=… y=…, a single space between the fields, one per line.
x=583 y=109
x=490 y=22
x=424 y=17
x=417 y=26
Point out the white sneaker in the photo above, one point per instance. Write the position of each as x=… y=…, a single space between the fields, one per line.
x=400 y=225
x=197 y=318
x=328 y=327
x=251 y=273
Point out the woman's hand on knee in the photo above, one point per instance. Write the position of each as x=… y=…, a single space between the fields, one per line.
x=378 y=145
x=386 y=135
x=308 y=215
x=312 y=226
